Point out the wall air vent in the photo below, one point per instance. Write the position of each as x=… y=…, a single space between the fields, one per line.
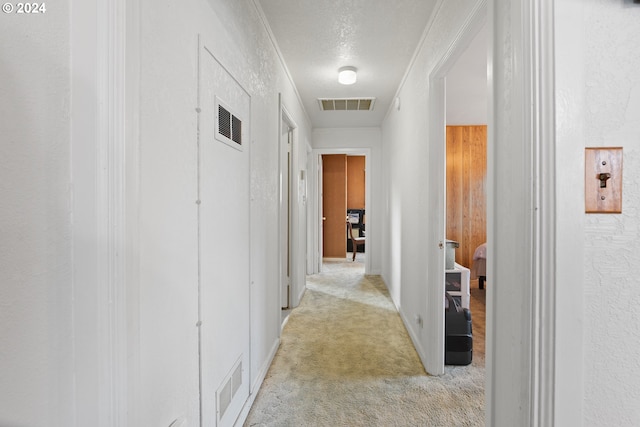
x=224 y=122
x=229 y=388
x=236 y=130
x=228 y=126
x=346 y=104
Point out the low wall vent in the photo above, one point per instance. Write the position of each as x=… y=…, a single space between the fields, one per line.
x=230 y=386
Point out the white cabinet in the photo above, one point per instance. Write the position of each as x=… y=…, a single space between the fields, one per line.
x=457 y=284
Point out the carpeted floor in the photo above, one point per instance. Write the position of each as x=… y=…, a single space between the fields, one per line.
x=346 y=360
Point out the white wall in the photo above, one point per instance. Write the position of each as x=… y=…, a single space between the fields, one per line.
x=327 y=139
x=598 y=104
x=168 y=224
x=35 y=222
x=406 y=176
x=466 y=92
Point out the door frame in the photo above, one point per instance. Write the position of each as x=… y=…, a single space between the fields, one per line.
x=316 y=200
x=521 y=323
x=104 y=140
x=286 y=207
x=434 y=363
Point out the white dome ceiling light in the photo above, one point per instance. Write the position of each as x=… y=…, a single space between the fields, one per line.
x=347 y=75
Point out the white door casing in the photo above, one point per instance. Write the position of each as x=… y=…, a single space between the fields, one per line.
x=288 y=208
x=371 y=215
x=286 y=145
x=434 y=350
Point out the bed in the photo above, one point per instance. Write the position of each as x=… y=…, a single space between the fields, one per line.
x=479 y=266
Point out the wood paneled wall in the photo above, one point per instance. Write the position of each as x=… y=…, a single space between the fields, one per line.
x=466 y=189
x=355 y=182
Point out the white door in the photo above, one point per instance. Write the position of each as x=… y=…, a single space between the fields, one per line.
x=224 y=143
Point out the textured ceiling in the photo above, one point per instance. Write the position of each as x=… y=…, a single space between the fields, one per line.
x=317 y=37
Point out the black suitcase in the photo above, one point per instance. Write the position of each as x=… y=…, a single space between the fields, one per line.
x=458 y=342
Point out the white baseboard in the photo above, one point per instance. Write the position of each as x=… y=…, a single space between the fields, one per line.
x=409 y=327
x=255 y=387
x=300 y=295
x=284 y=322
x=416 y=343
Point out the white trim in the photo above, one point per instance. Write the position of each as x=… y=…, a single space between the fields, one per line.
x=415 y=339
x=467 y=33
x=416 y=52
x=283 y=64
x=198 y=109
x=111 y=196
x=285 y=116
x=310 y=210
x=433 y=359
x=521 y=216
x=132 y=190
x=316 y=192
x=255 y=386
x=542 y=127
x=300 y=295
x=371 y=214
x=99 y=175
x=434 y=311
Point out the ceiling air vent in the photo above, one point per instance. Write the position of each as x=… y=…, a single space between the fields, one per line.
x=346 y=104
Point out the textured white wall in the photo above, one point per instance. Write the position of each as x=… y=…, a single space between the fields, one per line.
x=168 y=240
x=357 y=138
x=35 y=253
x=600 y=43
x=168 y=309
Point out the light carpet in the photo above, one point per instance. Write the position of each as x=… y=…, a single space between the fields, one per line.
x=346 y=359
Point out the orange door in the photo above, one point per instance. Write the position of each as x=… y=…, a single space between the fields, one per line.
x=334 y=205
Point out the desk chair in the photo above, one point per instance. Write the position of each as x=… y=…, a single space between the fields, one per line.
x=355 y=241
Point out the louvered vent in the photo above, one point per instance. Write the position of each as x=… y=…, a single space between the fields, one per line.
x=236 y=128
x=229 y=127
x=224 y=122
x=229 y=388
x=346 y=104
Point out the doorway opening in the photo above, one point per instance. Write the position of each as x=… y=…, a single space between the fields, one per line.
x=466 y=93
x=446 y=188
x=343 y=183
x=286 y=156
x=342 y=191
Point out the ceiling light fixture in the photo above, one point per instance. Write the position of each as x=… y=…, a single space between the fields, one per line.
x=347 y=75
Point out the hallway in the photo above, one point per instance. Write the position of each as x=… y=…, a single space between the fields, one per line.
x=145 y=200
x=346 y=359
